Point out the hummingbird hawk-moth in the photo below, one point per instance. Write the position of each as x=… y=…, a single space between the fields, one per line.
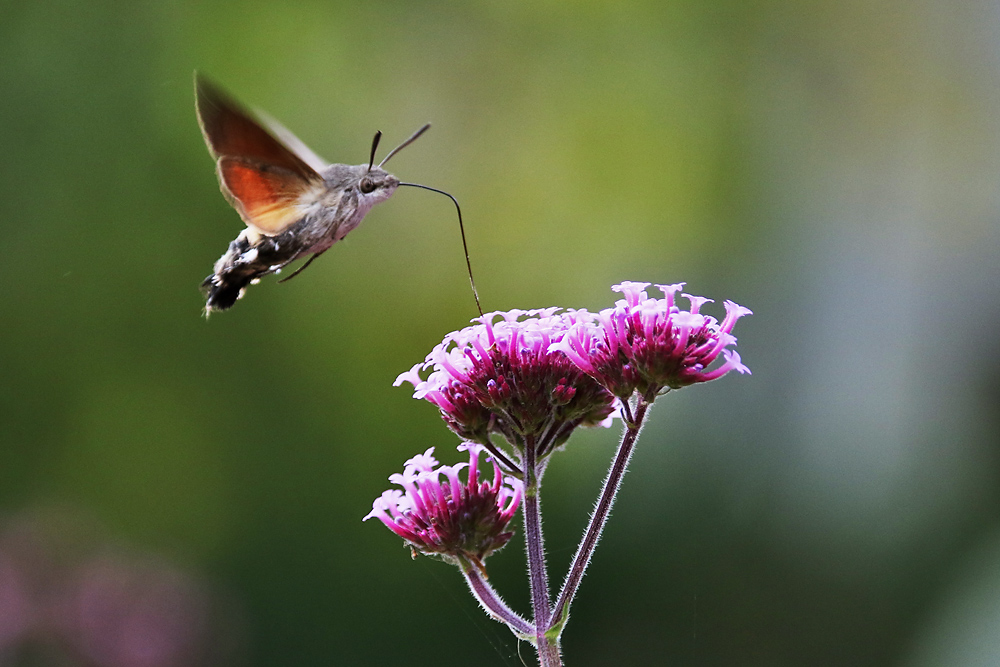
x=294 y=204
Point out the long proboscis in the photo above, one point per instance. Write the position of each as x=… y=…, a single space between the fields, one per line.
x=461 y=226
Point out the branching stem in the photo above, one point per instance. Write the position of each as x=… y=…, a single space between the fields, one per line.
x=493 y=603
x=633 y=424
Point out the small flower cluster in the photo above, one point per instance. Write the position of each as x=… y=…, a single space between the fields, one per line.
x=505 y=377
x=450 y=519
x=650 y=344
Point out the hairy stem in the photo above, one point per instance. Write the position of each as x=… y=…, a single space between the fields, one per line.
x=548 y=648
x=600 y=516
x=548 y=652
x=508 y=465
x=492 y=602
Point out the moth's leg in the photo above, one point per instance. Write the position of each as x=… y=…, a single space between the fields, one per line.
x=301 y=268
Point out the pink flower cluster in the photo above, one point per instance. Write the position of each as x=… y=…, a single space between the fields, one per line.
x=503 y=375
x=450 y=519
x=648 y=344
x=534 y=376
x=542 y=373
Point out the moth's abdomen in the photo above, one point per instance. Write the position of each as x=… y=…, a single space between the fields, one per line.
x=222 y=294
x=253 y=255
x=243 y=263
x=230 y=276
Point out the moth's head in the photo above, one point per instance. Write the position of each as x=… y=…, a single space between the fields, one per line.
x=371 y=185
x=376 y=185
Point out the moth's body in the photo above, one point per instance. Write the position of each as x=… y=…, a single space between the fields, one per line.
x=294 y=204
x=328 y=213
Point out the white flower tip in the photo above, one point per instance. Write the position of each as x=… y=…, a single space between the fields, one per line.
x=515 y=484
x=689 y=320
x=733 y=360
x=383 y=503
x=629 y=285
x=425 y=461
x=412 y=376
x=737 y=310
x=561 y=345
x=633 y=291
x=474 y=448
x=608 y=421
x=669 y=290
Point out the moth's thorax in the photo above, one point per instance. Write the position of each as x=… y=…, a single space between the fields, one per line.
x=349 y=193
x=352 y=191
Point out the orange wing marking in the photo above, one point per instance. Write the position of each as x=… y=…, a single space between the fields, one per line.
x=269 y=199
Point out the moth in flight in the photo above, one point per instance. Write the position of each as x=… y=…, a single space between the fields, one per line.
x=295 y=205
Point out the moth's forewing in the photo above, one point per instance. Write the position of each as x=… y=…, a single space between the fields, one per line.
x=265 y=181
x=292 y=142
x=230 y=131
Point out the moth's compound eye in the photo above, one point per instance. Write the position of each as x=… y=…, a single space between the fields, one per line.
x=367 y=185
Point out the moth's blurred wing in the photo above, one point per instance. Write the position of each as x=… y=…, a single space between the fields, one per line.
x=231 y=131
x=268 y=198
x=295 y=144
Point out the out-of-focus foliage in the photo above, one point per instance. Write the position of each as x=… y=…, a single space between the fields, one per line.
x=831 y=165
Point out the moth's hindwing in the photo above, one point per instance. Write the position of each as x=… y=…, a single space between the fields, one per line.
x=269 y=199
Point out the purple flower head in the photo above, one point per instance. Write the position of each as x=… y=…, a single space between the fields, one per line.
x=449 y=518
x=651 y=344
x=503 y=375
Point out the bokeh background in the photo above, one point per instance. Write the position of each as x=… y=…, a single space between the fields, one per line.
x=835 y=166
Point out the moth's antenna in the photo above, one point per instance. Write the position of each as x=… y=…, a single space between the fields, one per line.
x=404 y=145
x=378 y=137
x=461 y=226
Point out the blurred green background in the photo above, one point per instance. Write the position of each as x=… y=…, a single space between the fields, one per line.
x=834 y=166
